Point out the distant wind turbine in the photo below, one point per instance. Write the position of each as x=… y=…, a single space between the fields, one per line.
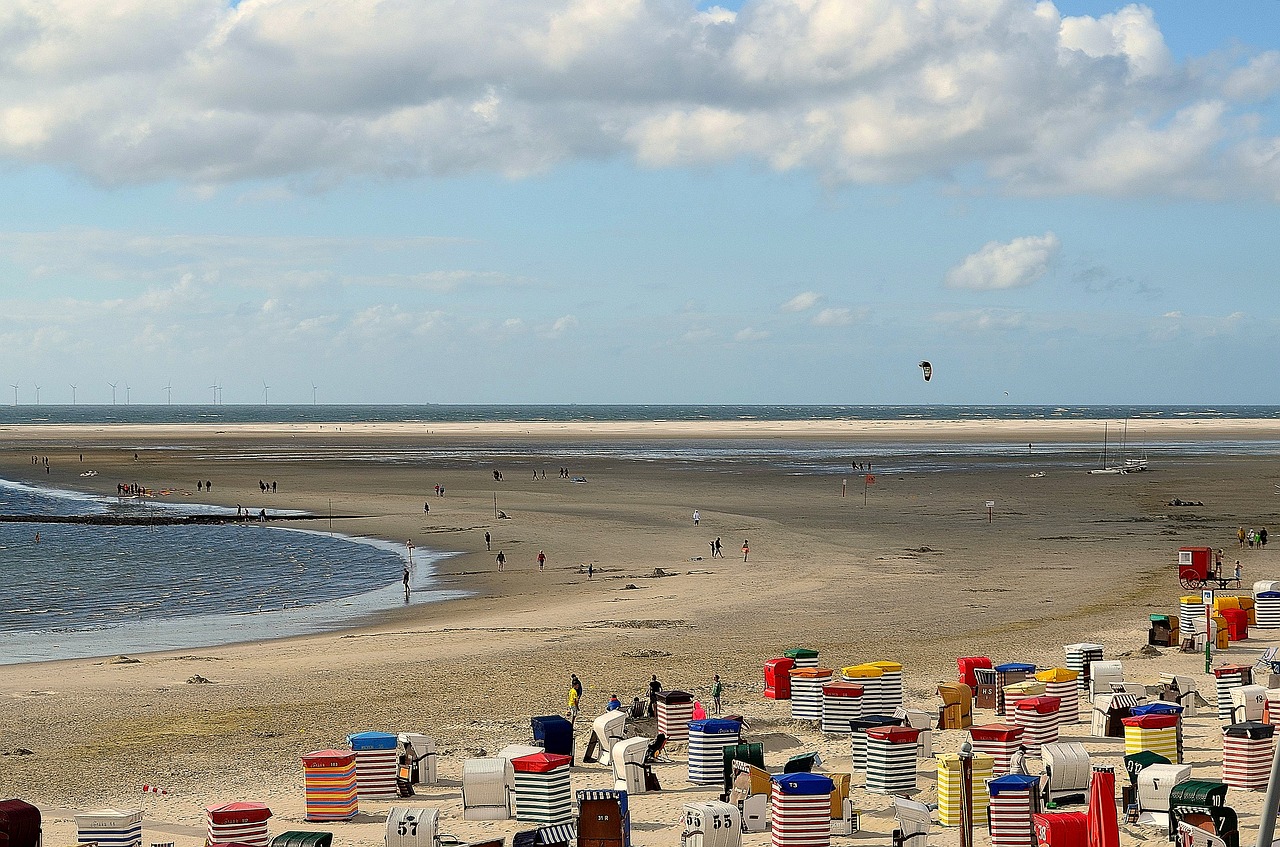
x=169 y=389
x=217 y=392
x=15 y=392
x=126 y=394
x=37 y=395
x=113 y=391
x=73 y=395
x=313 y=393
x=264 y=392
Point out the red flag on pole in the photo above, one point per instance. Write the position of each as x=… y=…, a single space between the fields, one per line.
x=871 y=479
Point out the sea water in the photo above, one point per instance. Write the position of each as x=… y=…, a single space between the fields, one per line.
x=87 y=590
x=439 y=413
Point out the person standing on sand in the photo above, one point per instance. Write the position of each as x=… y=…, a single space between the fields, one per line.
x=542 y=563
x=696 y=517
x=591 y=569
x=746 y=548
x=502 y=561
x=574 y=699
x=1240 y=535
x=654 y=688
x=717 y=689
x=488 y=542
x=426 y=508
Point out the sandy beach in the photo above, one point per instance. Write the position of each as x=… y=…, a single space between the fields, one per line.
x=919 y=575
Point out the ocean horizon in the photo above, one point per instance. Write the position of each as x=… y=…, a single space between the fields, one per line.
x=571 y=412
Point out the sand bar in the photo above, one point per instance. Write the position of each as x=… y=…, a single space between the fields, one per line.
x=1172 y=429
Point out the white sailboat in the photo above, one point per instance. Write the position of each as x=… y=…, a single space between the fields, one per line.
x=1124 y=465
x=1106 y=468
x=1134 y=465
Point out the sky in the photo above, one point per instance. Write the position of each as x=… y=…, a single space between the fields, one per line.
x=638 y=201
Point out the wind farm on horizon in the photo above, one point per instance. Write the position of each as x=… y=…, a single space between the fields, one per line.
x=216 y=387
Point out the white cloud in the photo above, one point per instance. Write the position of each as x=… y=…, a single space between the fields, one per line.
x=802 y=301
x=207 y=92
x=275 y=262
x=749 y=335
x=1012 y=264
x=1257 y=80
x=981 y=320
x=835 y=317
x=563 y=324
x=1129 y=35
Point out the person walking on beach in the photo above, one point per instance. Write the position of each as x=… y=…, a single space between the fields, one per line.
x=426 y=508
x=542 y=563
x=1262 y=537
x=1238 y=574
x=591 y=569
x=208 y=486
x=575 y=697
x=716 y=550
x=654 y=688
x=697 y=516
x=408 y=569
x=717 y=689
x=199 y=485
x=1240 y=535
x=488 y=542
x=746 y=549
x=502 y=561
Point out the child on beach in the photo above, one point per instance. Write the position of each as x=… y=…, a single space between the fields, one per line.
x=746 y=548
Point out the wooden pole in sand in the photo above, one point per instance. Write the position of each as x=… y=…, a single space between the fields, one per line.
x=495 y=505
x=966 y=795
x=331 y=516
